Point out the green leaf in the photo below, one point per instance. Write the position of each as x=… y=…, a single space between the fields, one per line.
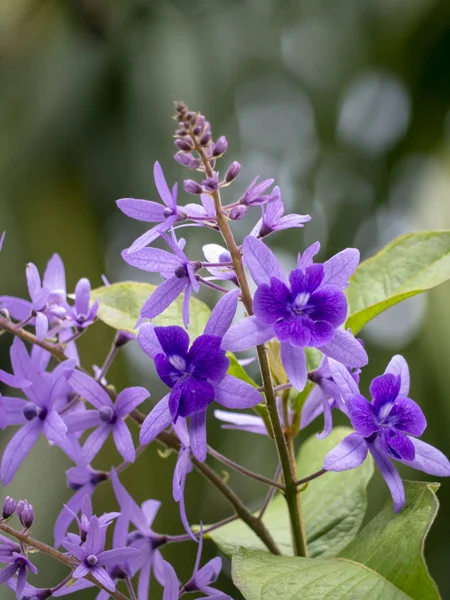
x=333 y=506
x=407 y=266
x=120 y=306
x=237 y=370
x=392 y=544
x=264 y=576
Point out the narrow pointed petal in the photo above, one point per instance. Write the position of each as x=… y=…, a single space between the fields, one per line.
x=234 y=393
x=399 y=366
x=390 y=475
x=294 y=363
x=55 y=277
x=313 y=407
x=33 y=280
x=340 y=267
x=198 y=435
x=41 y=326
x=94 y=444
x=186 y=305
x=171 y=586
x=90 y=390
x=343 y=379
x=348 y=454
x=150 y=509
x=80 y=421
x=102 y=576
x=110 y=558
x=17 y=307
x=148 y=340
x=305 y=260
x=152 y=260
x=124 y=441
x=163 y=296
x=155 y=422
x=428 y=459
x=20 y=359
x=346 y=349
x=55 y=429
x=128 y=506
x=247 y=333
x=223 y=314
x=262 y=262
x=18 y=449
x=242 y=422
x=128 y=399
x=146 y=238
x=13 y=381
x=141 y=210
x=162 y=187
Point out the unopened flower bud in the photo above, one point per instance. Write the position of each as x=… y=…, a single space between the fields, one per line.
x=192 y=187
x=25 y=512
x=185 y=145
x=122 y=338
x=220 y=146
x=205 y=139
x=30 y=411
x=233 y=171
x=211 y=184
x=238 y=212
x=187 y=160
x=9 y=507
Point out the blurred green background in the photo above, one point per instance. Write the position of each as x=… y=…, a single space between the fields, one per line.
x=346 y=104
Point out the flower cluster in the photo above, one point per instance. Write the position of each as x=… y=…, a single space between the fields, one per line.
x=290 y=317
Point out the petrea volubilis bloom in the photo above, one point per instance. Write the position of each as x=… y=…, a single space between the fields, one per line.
x=17 y=564
x=387 y=427
x=82 y=314
x=108 y=417
x=219 y=255
x=197 y=375
x=305 y=310
x=273 y=219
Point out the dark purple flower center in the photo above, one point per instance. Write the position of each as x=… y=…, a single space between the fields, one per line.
x=106 y=414
x=167 y=212
x=31 y=411
x=181 y=272
x=91 y=560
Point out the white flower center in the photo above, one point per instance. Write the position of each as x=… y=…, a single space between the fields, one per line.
x=178 y=362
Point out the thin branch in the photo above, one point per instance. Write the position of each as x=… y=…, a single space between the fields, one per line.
x=310 y=477
x=270 y=494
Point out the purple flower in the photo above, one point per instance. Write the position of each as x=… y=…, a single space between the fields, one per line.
x=254 y=194
x=144 y=539
x=177 y=270
x=85 y=518
x=93 y=558
x=81 y=314
x=273 y=220
x=153 y=212
x=205 y=211
x=39 y=414
x=108 y=417
x=18 y=564
x=47 y=297
x=216 y=254
x=387 y=427
x=304 y=310
x=196 y=375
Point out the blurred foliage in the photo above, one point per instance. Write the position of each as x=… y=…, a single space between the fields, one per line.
x=345 y=103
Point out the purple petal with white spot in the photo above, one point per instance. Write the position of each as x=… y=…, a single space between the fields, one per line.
x=348 y=454
x=189 y=396
x=247 y=333
x=396 y=444
x=262 y=262
x=271 y=302
x=384 y=390
x=174 y=340
x=407 y=416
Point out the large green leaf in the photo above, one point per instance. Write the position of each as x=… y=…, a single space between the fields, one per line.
x=263 y=576
x=407 y=266
x=333 y=506
x=120 y=305
x=392 y=544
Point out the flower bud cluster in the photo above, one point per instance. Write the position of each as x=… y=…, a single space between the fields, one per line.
x=22 y=508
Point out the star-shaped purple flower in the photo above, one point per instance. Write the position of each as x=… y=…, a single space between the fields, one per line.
x=17 y=564
x=108 y=417
x=273 y=219
x=387 y=427
x=82 y=315
x=196 y=375
x=304 y=310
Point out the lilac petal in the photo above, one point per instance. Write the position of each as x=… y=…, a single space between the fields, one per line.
x=182 y=468
x=327 y=418
x=186 y=305
x=7 y=573
x=128 y=399
x=247 y=333
x=390 y=475
x=144 y=581
x=223 y=314
x=208 y=204
x=156 y=421
x=17 y=307
x=80 y=421
x=65 y=517
x=346 y=349
x=55 y=429
x=428 y=459
x=242 y=422
x=166 y=371
x=55 y=277
x=90 y=390
x=343 y=379
x=152 y=260
x=321 y=333
x=296 y=330
x=141 y=210
x=362 y=415
x=13 y=381
x=274 y=212
x=235 y=393
x=294 y=363
x=95 y=538
x=110 y=558
x=149 y=236
x=33 y=280
x=262 y=262
x=94 y=444
x=195 y=395
x=148 y=340
x=102 y=577
x=384 y=391
x=272 y=302
x=327 y=304
x=198 y=435
x=40 y=359
x=20 y=360
x=174 y=340
x=407 y=417
x=209 y=572
x=340 y=267
x=206 y=359
x=171 y=586
x=162 y=187
x=128 y=506
x=12 y=410
x=81 y=571
x=150 y=509
x=313 y=407
x=180 y=428
x=399 y=367
x=82 y=296
x=348 y=454
x=291 y=221
x=396 y=444
x=75 y=550
x=18 y=449
x=124 y=441
x=163 y=296
x=41 y=326
x=305 y=260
